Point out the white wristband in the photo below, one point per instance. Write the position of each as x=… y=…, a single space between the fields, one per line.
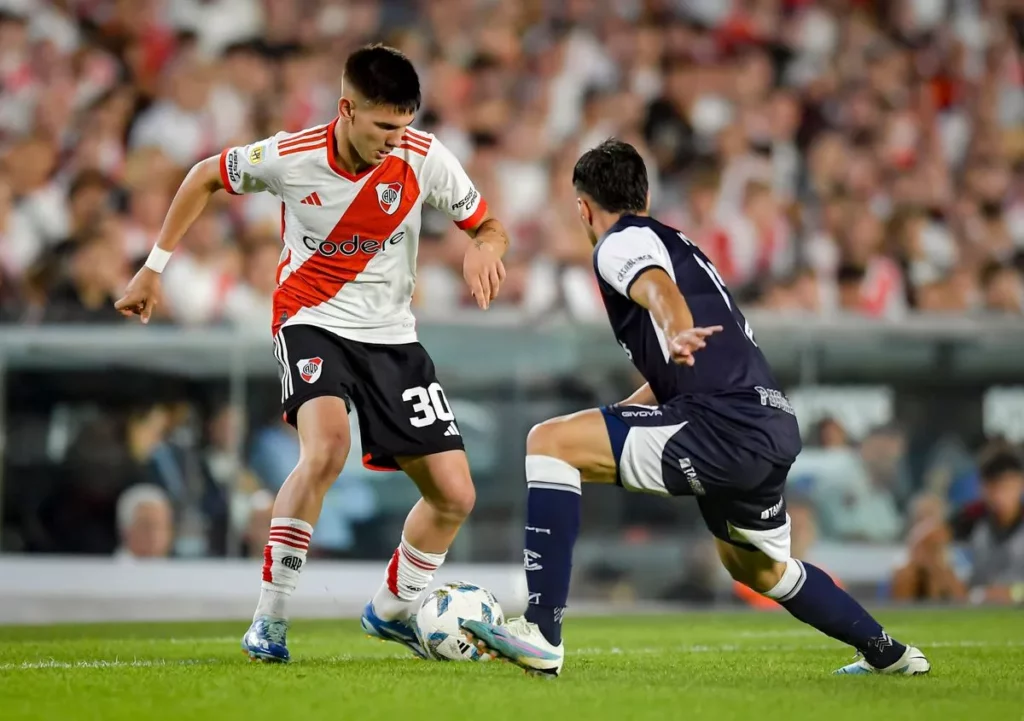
x=157 y=259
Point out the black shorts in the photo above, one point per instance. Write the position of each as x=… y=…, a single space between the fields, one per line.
x=673 y=450
x=401 y=407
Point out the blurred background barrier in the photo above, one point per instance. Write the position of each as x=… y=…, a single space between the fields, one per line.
x=56 y=590
x=148 y=443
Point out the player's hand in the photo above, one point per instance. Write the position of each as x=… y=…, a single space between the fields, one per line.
x=682 y=347
x=141 y=295
x=484 y=272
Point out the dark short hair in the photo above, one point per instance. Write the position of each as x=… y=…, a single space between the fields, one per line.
x=997 y=460
x=384 y=76
x=614 y=175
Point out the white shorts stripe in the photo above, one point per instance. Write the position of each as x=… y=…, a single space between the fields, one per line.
x=774 y=543
x=281 y=354
x=287 y=365
x=277 y=357
x=554 y=487
x=640 y=464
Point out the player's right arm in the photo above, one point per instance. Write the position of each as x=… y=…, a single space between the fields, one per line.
x=658 y=293
x=636 y=264
x=239 y=170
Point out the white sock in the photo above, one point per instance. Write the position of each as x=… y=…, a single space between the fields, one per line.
x=283 y=558
x=409 y=573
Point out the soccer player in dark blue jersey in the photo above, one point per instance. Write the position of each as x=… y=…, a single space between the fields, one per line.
x=710 y=422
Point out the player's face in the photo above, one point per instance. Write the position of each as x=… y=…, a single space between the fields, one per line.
x=374 y=130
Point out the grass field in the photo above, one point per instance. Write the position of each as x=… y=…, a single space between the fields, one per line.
x=692 y=666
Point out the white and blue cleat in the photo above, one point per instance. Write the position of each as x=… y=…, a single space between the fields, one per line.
x=520 y=642
x=911 y=663
x=399 y=631
x=267 y=640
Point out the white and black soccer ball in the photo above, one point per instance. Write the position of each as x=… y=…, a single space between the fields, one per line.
x=439 y=620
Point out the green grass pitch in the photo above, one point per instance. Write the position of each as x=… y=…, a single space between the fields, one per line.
x=687 y=666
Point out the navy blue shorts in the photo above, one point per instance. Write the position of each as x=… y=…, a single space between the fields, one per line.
x=673 y=450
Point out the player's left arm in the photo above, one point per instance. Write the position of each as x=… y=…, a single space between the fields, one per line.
x=450 y=190
x=635 y=263
x=482 y=266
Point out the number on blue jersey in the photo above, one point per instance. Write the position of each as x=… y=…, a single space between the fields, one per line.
x=712 y=271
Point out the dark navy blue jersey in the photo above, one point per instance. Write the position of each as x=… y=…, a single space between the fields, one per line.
x=731 y=378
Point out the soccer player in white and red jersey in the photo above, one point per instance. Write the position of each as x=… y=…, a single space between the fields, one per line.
x=351 y=197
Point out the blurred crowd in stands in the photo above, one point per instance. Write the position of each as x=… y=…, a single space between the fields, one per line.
x=853 y=156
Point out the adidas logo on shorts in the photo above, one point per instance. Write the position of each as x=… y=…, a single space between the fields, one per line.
x=452 y=430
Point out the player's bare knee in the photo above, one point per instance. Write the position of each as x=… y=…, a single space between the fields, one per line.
x=542 y=440
x=324 y=457
x=765 y=579
x=457 y=503
x=754 y=570
x=552 y=438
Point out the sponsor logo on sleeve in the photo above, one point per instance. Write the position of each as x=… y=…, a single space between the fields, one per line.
x=468 y=202
x=234 y=171
x=632 y=263
x=256 y=153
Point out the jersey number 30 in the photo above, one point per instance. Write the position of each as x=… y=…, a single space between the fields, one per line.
x=712 y=271
x=429 y=405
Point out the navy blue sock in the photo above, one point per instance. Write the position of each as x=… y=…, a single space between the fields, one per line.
x=552 y=524
x=819 y=602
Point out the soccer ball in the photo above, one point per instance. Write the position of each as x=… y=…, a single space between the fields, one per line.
x=439 y=620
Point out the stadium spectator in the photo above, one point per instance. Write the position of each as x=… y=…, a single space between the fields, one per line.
x=993 y=528
x=928 y=573
x=197 y=285
x=92 y=280
x=794 y=146
x=856 y=493
x=145 y=522
x=830 y=433
x=248 y=303
x=1003 y=289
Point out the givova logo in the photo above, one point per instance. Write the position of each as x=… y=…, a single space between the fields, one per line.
x=644 y=413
